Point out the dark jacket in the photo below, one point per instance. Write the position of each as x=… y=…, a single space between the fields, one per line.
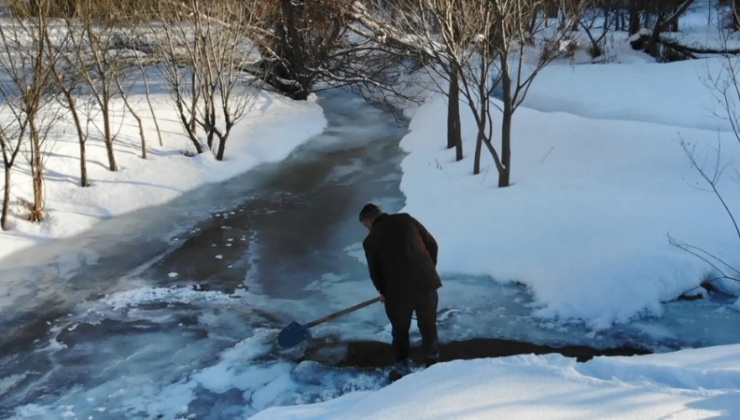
x=402 y=257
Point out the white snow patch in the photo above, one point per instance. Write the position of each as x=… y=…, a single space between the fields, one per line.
x=144 y=295
x=688 y=384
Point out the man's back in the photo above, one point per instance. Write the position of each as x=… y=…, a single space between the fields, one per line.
x=402 y=256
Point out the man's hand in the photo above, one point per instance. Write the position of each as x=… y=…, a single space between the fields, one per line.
x=382 y=298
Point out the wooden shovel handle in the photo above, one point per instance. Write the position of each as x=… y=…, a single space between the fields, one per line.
x=342 y=312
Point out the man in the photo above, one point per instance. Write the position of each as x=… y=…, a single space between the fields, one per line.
x=402 y=258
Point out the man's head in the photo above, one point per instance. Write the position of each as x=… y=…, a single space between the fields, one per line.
x=368 y=214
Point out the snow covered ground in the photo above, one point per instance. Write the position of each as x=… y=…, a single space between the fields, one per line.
x=593 y=200
x=599 y=182
x=688 y=384
x=271 y=129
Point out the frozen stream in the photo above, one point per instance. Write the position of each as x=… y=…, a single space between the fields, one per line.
x=172 y=312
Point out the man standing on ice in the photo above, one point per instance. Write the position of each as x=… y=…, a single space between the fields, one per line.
x=402 y=258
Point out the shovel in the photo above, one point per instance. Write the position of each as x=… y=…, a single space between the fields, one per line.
x=295 y=333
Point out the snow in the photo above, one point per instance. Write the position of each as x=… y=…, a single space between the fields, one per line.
x=688 y=384
x=272 y=128
x=143 y=295
x=617 y=92
x=599 y=182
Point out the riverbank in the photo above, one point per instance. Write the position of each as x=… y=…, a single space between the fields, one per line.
x=269 y=131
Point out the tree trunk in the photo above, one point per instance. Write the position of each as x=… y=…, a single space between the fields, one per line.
x=107 y=132
x=478 y=148
x=194 y=105
x=634 y=13
x=673 y=27
x=221 y=148
x=6 y=199
x=533 y=22
x=484 y=101
x=654 y=47
x=505 y=171
x=84 y=182
x=454 y=136
x=143 y=138
x=736 y=14
x=142 y=135
x=81 y=140
x=504 y=176
x=37 y=208
x=139 y=122
x=210 y=117
x=151 y=107
x=646 y=17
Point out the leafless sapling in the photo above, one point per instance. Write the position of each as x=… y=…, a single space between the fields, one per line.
x=26 y=68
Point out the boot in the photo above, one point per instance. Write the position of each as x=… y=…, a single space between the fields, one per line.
x=431 y=360
x=398 y=370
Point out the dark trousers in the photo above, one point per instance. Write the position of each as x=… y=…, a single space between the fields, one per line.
x=400 y=313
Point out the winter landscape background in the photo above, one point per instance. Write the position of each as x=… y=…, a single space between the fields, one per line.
x=158 y=290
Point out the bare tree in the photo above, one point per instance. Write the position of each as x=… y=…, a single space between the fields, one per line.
x=67 y=78
x=204 y=57
x=712 y=177
x=98 y=68
x=472 y=43
x=724 y=84
x=178 y=49
x=11 y=140
x=438 y=35
x=123 y=75
x=227 y=92
x=302 y=43
x=26 y=68
x=144 y=72
x=512 y=38
x=485 y=43
x=592 y=13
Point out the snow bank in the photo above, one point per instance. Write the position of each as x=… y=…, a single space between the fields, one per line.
x=269 y=132
x=587 y=220
x=688 y=384
x=647 y=92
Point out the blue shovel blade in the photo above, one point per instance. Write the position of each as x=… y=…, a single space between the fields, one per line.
x=292 y=335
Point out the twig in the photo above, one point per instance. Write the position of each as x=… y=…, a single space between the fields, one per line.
x=546 y=154
x=439 y=166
